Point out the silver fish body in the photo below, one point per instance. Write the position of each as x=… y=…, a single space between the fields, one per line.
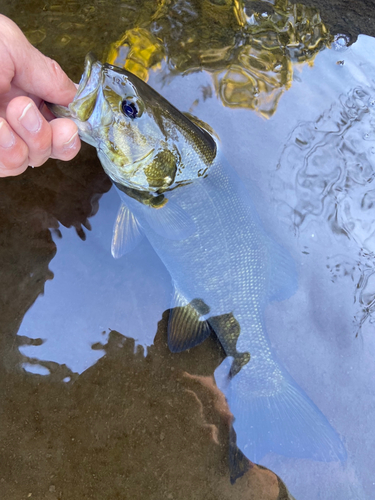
x=232 y=269
x=178 y=190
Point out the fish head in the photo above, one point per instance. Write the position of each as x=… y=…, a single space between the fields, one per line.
x=142 y=141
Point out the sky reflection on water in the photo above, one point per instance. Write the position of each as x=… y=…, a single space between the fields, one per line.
x=313 y=332
x=92 y=293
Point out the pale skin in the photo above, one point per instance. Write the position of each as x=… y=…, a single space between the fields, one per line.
x=29 y=134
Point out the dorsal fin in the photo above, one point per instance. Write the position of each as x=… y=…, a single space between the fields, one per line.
x=207 y=129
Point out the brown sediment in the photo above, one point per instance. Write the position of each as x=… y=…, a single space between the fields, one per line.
x=129 y=427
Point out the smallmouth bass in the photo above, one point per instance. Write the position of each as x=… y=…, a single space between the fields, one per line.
x=178 y=190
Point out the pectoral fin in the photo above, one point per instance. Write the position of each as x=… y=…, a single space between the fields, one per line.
x=186 y=329
x=126 y=232
x=164 y=217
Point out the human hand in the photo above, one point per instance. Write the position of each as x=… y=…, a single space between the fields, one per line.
x=29 y=133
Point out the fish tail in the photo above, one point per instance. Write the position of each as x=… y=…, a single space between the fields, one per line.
x=283 y=420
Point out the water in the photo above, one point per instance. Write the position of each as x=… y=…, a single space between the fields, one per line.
x=87 y=411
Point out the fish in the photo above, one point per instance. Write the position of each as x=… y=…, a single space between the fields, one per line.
x=178 y=190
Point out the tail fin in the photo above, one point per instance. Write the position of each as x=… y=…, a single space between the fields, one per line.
x=285 y=422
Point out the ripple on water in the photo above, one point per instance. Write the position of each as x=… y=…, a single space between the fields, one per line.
x=330 y=177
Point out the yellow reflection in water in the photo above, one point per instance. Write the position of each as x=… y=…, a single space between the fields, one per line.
x=250 y=48
x=144 y=51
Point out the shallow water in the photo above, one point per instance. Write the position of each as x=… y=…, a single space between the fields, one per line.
x=90 y=413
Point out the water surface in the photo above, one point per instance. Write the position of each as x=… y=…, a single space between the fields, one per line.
x=94 y=405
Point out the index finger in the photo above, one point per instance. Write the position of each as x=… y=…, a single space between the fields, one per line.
x=24 y=66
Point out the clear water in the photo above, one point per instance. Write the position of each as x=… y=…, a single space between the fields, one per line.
x=93 y=404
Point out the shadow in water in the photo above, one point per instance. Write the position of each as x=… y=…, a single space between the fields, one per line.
x=31 y=205
x=145 y=426
x=136 y=426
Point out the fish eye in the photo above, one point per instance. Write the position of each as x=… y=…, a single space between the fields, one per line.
x=130 y=109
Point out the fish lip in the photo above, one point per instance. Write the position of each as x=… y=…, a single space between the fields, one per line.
x=90 y=60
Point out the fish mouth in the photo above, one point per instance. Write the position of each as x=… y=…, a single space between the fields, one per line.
x=90 y=61
x=84 y=101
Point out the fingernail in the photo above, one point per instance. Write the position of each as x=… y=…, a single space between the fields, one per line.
x=69 y=144
x=7 y=138
x=30 y=118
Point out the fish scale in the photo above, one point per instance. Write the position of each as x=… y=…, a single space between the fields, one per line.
x=228 y=262
x=224 y=265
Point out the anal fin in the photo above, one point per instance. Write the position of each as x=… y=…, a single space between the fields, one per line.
x=227 y=329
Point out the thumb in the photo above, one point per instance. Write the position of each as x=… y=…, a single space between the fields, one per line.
x=33 y=72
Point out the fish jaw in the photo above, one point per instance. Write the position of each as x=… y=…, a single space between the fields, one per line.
x=84 y=102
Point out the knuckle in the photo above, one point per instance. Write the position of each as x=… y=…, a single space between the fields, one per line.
x=68 y=154
x=40 y=143
x=15 y=158
x=54 y=66
x=13 y=172
x=39 y=160
x=40 y=146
